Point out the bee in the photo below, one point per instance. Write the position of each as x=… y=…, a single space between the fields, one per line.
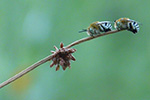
x=127 y=24
x=97 y=28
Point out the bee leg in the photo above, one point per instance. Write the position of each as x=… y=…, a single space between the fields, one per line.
x=92 y=35
x=119 y=29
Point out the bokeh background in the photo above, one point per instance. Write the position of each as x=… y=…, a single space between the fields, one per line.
x=113 y=67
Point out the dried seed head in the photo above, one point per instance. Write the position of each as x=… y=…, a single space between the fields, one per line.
x=57 y=67
x=62 y=57
x=61 y=45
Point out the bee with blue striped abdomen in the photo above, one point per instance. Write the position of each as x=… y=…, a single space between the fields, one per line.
x=97 y=28
x=127 y=24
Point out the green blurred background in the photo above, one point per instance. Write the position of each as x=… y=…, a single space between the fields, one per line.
x=113 y=67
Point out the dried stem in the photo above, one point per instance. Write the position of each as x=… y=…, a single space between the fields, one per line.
x=25 y=71
x=48 y=58
x=90 y=38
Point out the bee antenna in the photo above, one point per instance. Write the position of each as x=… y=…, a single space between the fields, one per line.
x=83 y=30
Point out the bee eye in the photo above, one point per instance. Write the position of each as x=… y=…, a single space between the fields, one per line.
x=118 y=23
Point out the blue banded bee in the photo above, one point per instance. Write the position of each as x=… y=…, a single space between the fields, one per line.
x=97 y=28
x=128 y=24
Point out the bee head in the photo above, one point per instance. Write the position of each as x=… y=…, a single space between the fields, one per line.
x=94 y=25
x=124 y=20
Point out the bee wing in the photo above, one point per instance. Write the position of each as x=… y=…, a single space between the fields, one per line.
x=130 y=20
x=103 y=22
x=135 y=21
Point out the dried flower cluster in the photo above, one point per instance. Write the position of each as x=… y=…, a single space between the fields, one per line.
x=62 y=57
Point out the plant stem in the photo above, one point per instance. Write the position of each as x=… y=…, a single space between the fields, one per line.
x=48 y=58
x=90 y=38
x=25 y=71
